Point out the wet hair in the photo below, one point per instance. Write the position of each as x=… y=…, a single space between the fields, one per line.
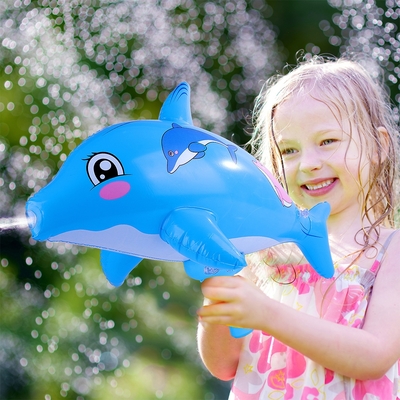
x=351 y=93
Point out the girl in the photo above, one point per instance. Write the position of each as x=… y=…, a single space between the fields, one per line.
x=326 y=130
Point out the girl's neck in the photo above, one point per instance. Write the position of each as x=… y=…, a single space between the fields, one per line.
x=347 y=239
x=344 y=230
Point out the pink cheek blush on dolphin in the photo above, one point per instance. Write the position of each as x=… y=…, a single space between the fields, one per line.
x=115 y=190
x=167 y=190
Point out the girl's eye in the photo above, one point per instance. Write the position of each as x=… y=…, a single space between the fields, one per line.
x=286 y=152
x=327 y=141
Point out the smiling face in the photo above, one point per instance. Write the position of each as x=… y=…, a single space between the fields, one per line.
x=323 y=155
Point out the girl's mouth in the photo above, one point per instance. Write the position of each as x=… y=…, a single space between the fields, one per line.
x=319 y=188
x=319 y=185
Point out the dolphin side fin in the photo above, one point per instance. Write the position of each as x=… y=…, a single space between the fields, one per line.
x=315 y=245
x=177 y=105
x=116 y=266
x=194 y=233
x=196 y=147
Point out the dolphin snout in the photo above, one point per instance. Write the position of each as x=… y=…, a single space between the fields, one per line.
x=34 y=217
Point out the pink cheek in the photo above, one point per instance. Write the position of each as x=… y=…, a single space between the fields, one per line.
x=115 y=190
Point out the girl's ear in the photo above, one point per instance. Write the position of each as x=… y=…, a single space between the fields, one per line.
x=383 y=150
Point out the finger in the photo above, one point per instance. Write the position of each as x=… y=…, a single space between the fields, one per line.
x=220 y=319
x=219 y=294
x=220 y=310
x=212 y=309
x=216 y=320
x=221 y=281
x=220 y=287
x=217 y=309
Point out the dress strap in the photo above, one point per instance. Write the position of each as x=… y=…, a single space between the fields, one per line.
x=377 y=263
x=368 y=279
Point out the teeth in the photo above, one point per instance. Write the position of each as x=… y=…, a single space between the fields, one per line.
x=319 y=185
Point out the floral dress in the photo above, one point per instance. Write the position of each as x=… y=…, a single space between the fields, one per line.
x=268 y=369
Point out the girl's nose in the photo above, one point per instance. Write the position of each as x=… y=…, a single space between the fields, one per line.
x=310 y=161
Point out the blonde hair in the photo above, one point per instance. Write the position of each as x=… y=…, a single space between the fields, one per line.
x=346 y=88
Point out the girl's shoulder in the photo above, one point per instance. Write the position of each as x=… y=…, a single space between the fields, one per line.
x=384 y=308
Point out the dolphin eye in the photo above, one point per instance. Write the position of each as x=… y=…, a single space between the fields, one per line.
x=171 y=153
x=103 y=166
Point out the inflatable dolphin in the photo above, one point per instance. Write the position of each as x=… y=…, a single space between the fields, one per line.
x=167 y=190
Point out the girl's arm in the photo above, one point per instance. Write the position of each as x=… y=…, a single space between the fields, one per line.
x=218 y=349
x=366 y=353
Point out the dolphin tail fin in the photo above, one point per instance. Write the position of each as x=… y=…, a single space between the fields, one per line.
x=315 y=245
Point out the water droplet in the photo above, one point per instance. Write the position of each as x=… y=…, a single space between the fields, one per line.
x=65 y=287
x=81 y=385
x=139 y=338
x=166 y=354
x=78 y=370
x=166 y=296
x=23 y=362
x=109 y=361
x=126 y=363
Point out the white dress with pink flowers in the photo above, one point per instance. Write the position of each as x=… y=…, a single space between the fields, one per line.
x=270 y=370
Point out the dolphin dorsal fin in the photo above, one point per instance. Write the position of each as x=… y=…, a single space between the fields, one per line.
x=177 y=105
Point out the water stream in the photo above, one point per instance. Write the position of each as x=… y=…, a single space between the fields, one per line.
x=13 y=223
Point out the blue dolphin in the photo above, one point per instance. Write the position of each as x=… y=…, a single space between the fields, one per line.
x=116 y=192
x=181 y=145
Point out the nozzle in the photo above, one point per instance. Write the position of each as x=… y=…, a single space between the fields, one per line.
x=33 y=216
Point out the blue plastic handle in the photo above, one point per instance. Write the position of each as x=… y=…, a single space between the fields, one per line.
x=239 y=332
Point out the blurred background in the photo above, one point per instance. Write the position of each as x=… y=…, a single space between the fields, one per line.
x=71 y=67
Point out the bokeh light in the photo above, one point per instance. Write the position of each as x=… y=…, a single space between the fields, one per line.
x=369 y=28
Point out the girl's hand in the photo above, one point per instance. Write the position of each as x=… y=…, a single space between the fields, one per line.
x=233 y=301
